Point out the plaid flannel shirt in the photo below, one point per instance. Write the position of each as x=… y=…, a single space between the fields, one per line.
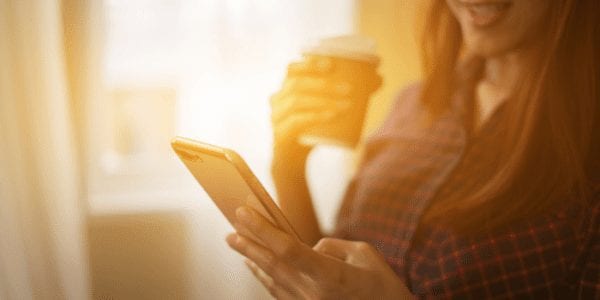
x=407 y=166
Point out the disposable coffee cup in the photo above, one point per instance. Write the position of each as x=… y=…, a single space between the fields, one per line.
x=354 y=69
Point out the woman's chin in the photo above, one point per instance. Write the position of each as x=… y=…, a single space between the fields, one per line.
x=488 y=47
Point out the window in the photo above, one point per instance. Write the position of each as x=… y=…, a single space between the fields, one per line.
x=203 y=69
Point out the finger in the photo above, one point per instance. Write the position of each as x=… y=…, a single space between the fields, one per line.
x=355 y=253
x=306 y=103
x=295 y=124
x=297 y=103
x=345 y=250
x=261 y=256
x=285 y=247
x=278 y=270
x=336 y=248
x=313 y=86
x=265 y=279
x=317 y=86
x=275 y=290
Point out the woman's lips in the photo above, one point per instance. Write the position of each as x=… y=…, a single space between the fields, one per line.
x=486 y=13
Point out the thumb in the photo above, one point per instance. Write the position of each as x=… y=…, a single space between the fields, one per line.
x=359 y=254
x=336 y=248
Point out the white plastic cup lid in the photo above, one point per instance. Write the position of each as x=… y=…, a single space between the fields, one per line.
x=348 y=46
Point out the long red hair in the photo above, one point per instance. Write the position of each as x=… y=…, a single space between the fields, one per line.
x=551 y=142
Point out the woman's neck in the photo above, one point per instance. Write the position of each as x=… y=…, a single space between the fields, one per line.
x=498 y=83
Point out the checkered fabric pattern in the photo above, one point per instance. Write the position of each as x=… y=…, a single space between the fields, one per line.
x=408 y=165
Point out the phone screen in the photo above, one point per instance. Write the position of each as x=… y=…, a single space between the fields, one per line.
x=224 y=182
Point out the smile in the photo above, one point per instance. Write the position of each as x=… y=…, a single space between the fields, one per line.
x=485 y=13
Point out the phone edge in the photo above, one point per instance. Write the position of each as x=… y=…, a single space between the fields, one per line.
x=260 y=191
x=247 y=175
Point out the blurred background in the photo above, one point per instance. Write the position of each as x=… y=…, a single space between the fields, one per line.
x=93 y=203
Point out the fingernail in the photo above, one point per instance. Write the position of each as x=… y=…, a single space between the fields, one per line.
x=244 y=215
x=231 y=239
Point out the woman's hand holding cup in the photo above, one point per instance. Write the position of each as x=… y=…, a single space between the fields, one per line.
x=323 y=101
x=305 y=102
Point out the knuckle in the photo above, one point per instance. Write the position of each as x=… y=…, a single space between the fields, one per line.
x=323 y=243
x=294 y=124
x=270 y=263
x=278 y=98
x=284 y=106
x=273 y=291
x=243 y=246
x=273 y=99
x=289 y=249
x=290 y=84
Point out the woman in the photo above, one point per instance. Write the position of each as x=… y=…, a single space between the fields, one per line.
x=483 y=182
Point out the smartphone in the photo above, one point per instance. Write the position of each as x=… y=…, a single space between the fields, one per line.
x=228 y=181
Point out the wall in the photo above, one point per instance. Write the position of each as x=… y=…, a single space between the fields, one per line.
x=393 y=24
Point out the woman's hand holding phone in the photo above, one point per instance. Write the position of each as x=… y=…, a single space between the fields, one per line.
x=333 y=269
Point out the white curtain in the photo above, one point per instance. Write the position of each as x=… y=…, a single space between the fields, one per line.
x=43 y=251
